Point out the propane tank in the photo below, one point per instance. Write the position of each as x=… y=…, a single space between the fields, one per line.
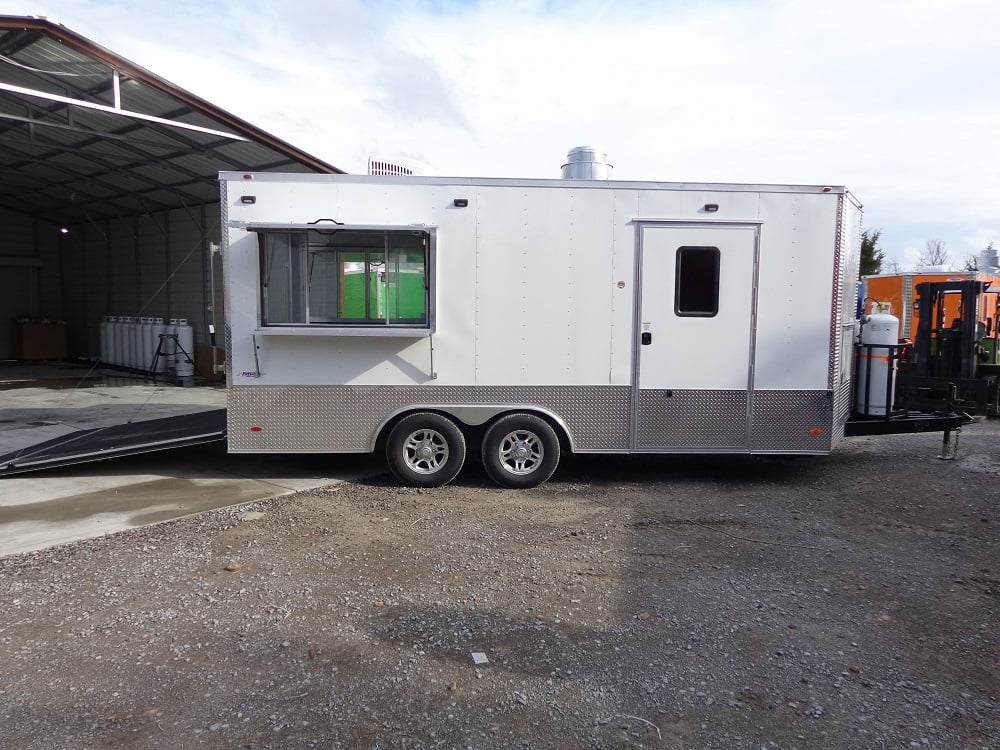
x=105 y=328
x=184 y=356
x=125 y=355
x=133 y=355
x=114 y=356
x=133 y=341
x=145 y=352
x=170 y=346
x=154 y=343
x=879 y=331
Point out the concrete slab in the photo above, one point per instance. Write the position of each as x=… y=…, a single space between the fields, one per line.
x=39 y=402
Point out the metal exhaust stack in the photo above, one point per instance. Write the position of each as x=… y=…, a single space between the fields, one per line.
x=587 y=163
x=989 y=259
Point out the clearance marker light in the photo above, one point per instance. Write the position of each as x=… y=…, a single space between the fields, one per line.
x=256 y=428
x=816 y=431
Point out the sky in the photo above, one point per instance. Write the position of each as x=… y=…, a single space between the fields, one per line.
x=896 y=99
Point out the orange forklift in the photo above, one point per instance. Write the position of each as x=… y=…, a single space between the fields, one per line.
x=954 y=356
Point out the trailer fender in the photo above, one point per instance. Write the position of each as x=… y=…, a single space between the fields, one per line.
x=472 y=415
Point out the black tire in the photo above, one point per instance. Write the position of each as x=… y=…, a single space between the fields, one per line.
x=425 y=450
x=520 y=451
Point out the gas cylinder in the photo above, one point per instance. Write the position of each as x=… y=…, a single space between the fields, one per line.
x=170 y=346
x=155 y=346
x=145 y=350
x=105 y=329
x=128 y=343
x=184 y=356
x=876 y=365
x=115 y=356
x=134 y=327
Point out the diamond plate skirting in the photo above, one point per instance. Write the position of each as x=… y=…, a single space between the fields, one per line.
x=691 y=419
x=344 y=418
x=786 y=421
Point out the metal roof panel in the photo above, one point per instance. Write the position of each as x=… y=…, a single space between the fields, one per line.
x=70 y=153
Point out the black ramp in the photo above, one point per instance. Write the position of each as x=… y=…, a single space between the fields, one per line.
x=118 y=440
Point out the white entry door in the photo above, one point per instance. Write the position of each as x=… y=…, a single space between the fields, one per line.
x=695 y=336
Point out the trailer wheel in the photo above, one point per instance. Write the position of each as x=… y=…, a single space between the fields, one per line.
x=520 y=451
x=425 y=450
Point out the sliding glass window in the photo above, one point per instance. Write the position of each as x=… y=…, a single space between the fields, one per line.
x=344 y=277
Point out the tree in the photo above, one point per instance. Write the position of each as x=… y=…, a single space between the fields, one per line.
x=872 y=256
x=971 y=262
x=935 y=254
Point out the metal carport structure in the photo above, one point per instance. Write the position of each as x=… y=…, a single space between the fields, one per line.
x=108 y=186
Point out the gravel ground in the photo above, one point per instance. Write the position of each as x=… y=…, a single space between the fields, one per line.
x=848 y=601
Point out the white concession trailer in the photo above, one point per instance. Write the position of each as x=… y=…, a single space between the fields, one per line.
x=433 y=317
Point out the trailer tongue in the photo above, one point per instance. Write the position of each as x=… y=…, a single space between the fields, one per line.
x=118 y=440
x=905 y=423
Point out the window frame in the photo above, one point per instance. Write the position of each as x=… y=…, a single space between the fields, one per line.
x=679 y=280
x=310 y=248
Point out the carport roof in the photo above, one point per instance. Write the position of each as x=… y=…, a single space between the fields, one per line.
x=87 y=135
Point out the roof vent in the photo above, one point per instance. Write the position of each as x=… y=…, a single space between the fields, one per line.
x=989 y=259
x=398 y=166
x=586 y=163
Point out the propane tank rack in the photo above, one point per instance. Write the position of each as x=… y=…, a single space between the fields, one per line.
x=172 y=349
x=897 y=417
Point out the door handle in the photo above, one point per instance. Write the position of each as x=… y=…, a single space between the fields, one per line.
x=647 y=338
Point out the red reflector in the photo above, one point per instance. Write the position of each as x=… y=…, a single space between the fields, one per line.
x=256 y=428
x=811 y=432
x=248 y=177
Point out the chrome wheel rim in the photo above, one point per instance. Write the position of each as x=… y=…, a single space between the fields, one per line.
x=521 y=452
x=425 y=451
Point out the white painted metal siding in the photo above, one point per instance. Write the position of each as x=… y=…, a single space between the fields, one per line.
x=795 y=298
x=534 y=279
x=544 y=287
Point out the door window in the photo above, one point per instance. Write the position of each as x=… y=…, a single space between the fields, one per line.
x=696 y=282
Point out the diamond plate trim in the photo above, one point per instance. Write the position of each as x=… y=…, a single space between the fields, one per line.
x=839 y=272
x=842 y=401
x=691 y=419
x=345 y=418
x=224 y=225
x=783 y=421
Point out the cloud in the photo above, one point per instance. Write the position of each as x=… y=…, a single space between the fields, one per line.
x=407 y=88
